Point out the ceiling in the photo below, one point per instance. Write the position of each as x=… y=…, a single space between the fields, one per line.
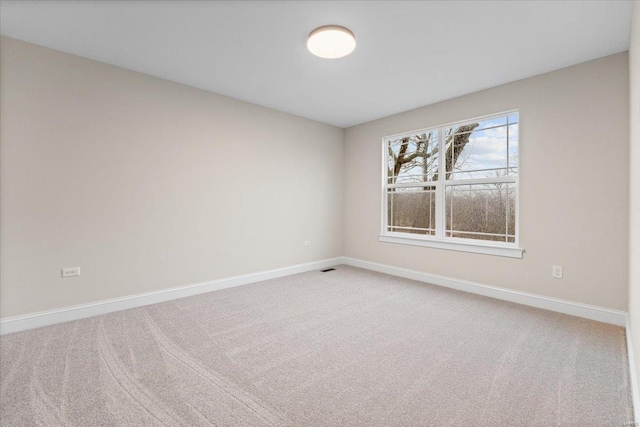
x=409 y=54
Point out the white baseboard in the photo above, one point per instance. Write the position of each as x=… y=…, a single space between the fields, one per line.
x=30 y=321
x=35 y=320
x=633 y=375
x=601 y=314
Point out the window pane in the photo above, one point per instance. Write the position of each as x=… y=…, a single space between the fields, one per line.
x=482 y=149
x=513 y=150
x=481 y=211
x=480 y=125
x=412 y=210
x=412 y=158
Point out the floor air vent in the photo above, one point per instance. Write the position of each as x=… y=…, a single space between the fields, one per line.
x=328 y=269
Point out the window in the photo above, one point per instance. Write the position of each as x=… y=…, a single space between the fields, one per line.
x=454 y=186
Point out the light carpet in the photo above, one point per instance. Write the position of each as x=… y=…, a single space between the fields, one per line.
x=344 y=348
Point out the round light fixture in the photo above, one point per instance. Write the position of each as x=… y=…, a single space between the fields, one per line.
x=331 y=41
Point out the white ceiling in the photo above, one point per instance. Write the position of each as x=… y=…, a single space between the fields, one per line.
x=409 y=54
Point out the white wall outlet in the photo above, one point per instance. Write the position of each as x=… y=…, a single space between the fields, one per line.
x=70 y=271
x=556 y=272
x=307 y=242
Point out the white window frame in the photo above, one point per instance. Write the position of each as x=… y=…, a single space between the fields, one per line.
x=440 y=241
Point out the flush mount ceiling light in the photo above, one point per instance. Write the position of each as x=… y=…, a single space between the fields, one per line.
x=331 y=41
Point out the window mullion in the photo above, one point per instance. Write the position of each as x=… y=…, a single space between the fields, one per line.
x=385 y=183
x=440 y=195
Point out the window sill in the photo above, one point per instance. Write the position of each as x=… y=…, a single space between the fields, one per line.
x=478 y=248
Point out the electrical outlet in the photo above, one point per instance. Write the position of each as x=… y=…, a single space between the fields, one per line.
x=556 y=272
x=70 y=271
x=307 y=242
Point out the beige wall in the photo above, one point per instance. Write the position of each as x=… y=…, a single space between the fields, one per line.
x=147 y=184
x=634 y=174
x=574 y=185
